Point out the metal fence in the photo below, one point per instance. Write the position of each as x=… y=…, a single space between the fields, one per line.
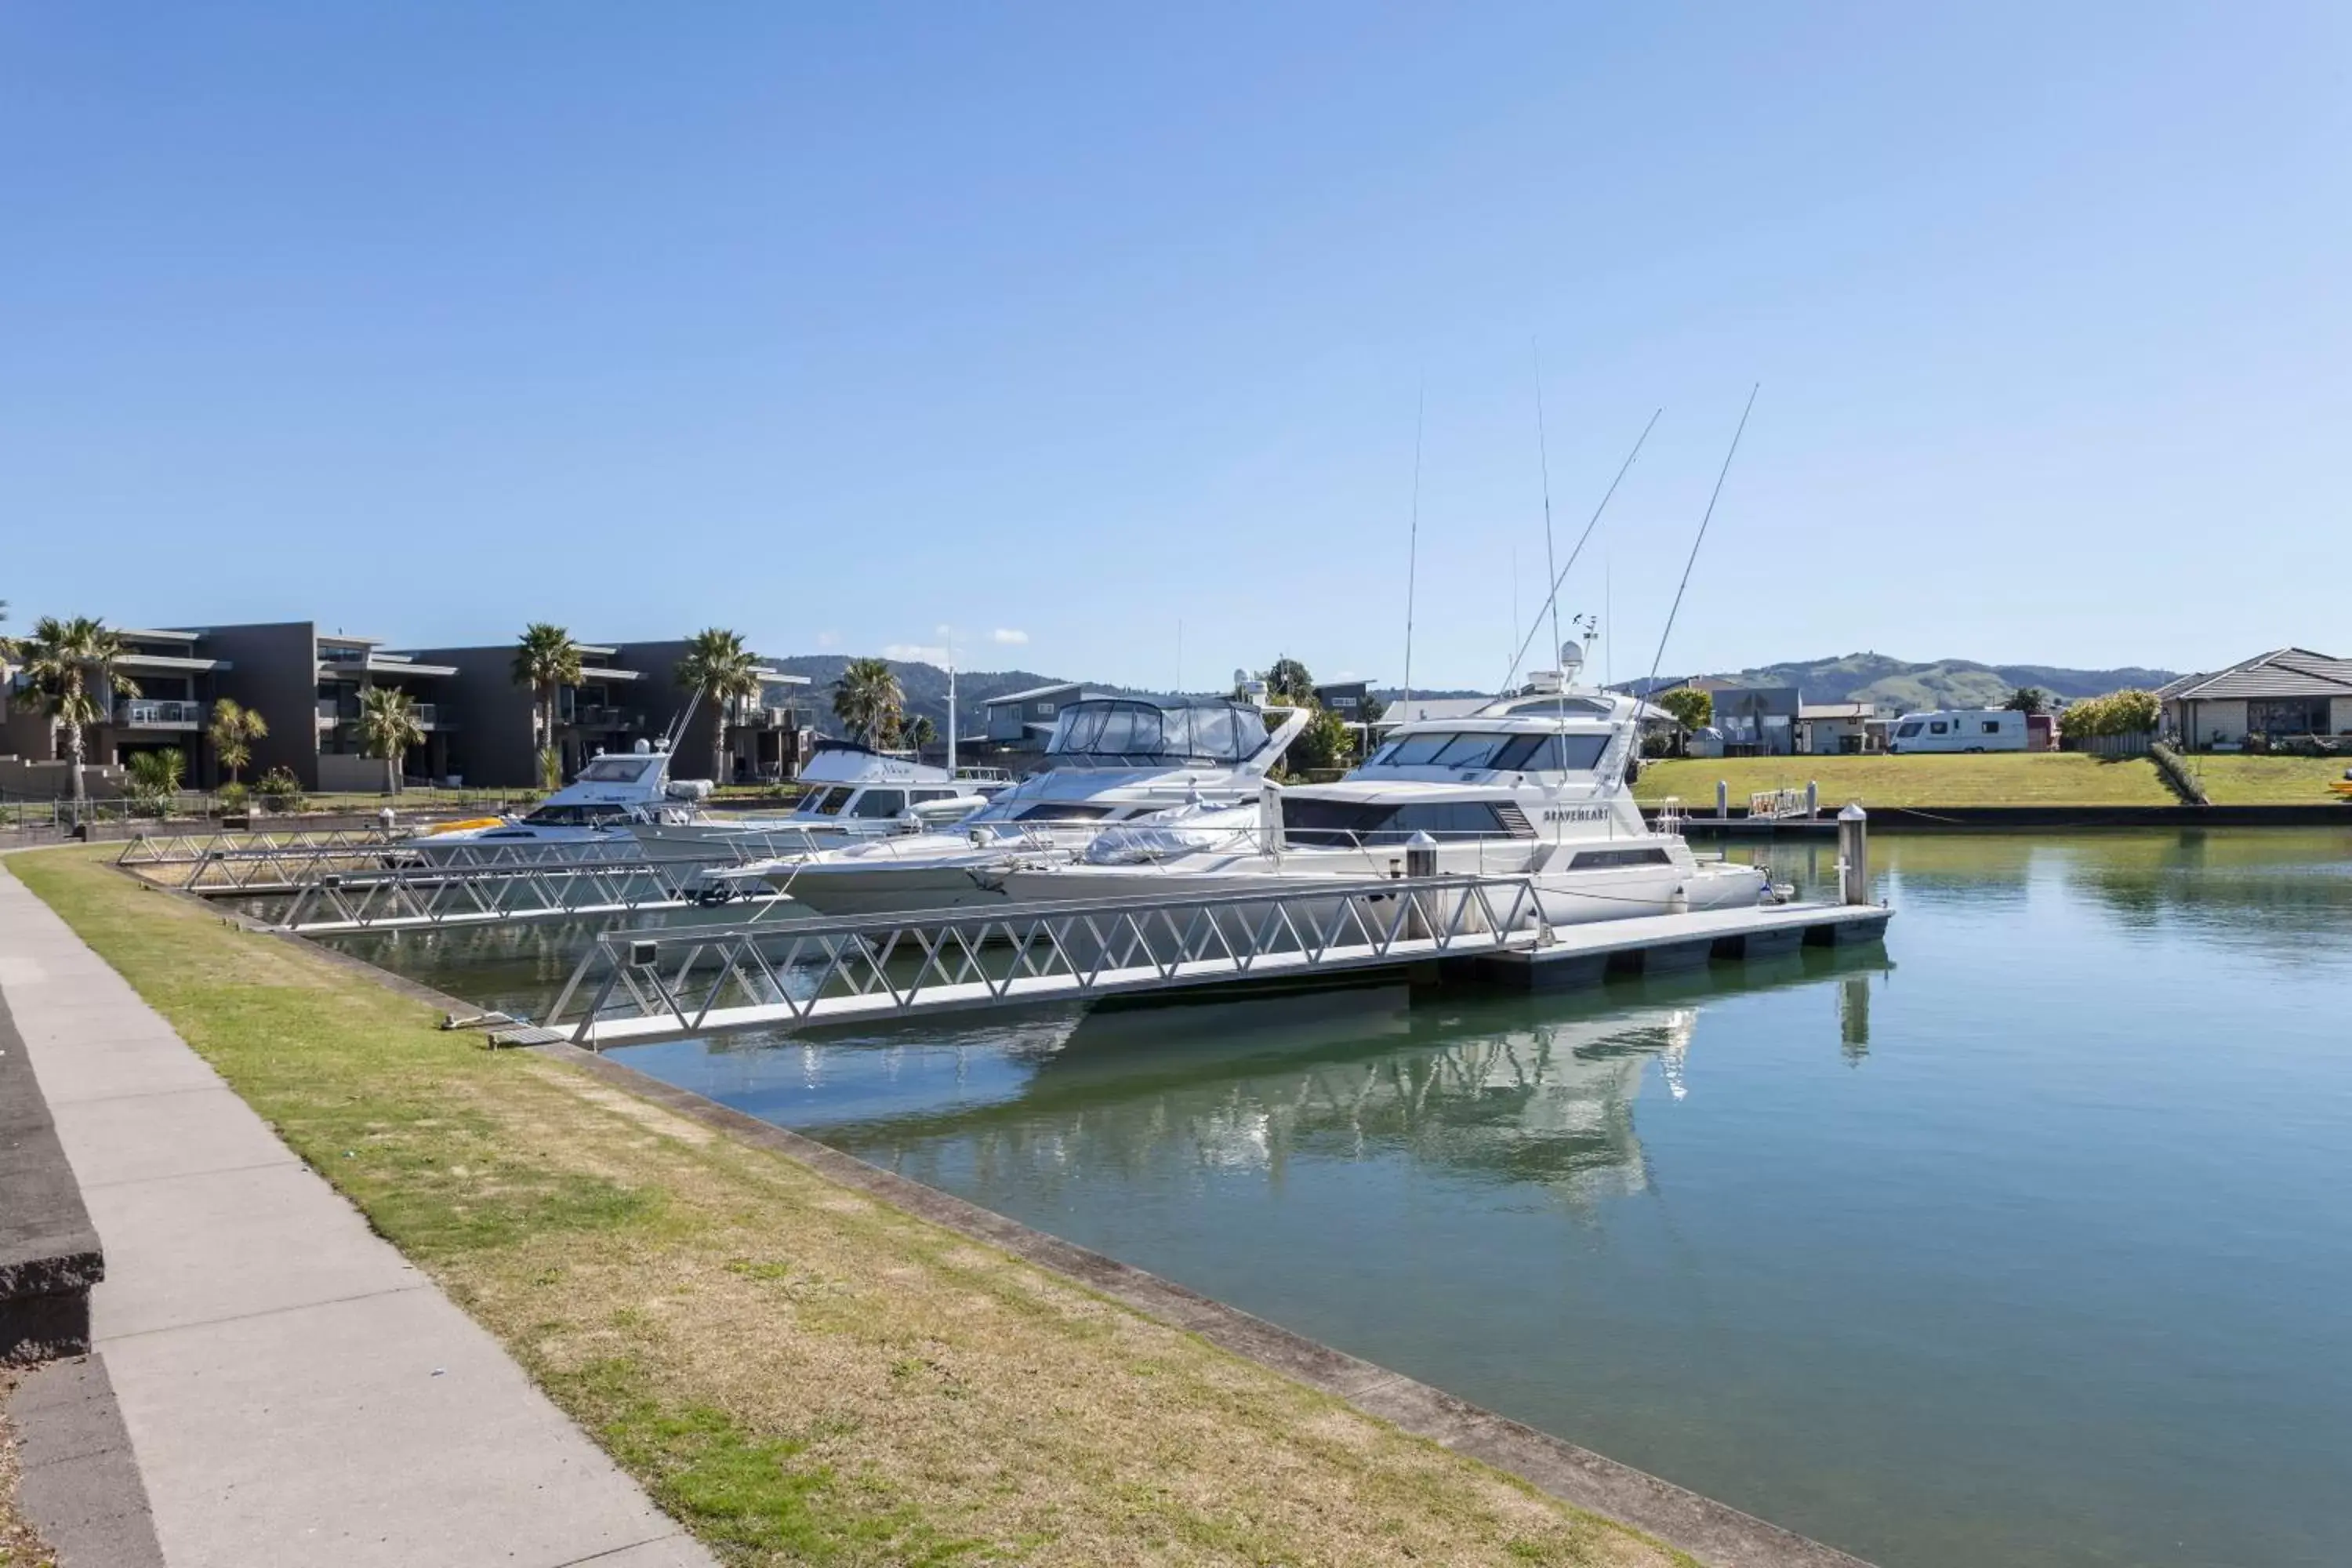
x=2135 y=744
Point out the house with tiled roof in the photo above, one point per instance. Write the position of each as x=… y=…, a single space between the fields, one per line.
x=2284 y=693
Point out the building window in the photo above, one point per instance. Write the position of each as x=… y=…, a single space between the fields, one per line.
x=2287 y=716
x=1045 y=711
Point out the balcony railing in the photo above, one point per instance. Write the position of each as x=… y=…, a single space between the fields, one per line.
x=332 y=713
x=159 y=713
x=602 y=716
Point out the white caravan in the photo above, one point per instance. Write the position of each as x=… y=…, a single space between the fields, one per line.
x=1959 y=729
x=1110 y=761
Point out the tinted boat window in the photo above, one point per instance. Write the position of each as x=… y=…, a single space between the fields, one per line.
x=1415 y=751
x=1590 y=858
x=880 y=802
x=1344 y=824
x=1471 y=750
x=616 y=770
x=1551 y=755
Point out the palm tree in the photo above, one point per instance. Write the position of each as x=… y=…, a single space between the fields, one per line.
x=156 y=777
x=235 y=728
x=921 y=732
x=867 y=698
x=388 y=728
x=547 y=660
x=63 y=660
x=719 y=665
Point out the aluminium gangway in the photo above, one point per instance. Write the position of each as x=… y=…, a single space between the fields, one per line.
x=357 y=880
x=666 y=985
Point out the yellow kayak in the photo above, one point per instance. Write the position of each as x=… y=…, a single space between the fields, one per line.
x=467 y=826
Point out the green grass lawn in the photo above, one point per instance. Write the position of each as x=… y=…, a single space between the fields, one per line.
x=798 y=1373
x=2268 y=781
x=2016 y=778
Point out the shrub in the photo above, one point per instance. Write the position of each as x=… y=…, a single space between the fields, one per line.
x=1324 y=745
x=281 y=790
x=1692 y=708
x=2177 y=775
x=155 y=779
x=2117 y=713
x=233 y=798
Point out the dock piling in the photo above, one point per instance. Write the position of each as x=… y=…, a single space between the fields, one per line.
x=1853 y=853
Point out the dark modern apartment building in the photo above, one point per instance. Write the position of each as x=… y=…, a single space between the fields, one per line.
x=625 y=693
x=177 y=676
x=304 y=681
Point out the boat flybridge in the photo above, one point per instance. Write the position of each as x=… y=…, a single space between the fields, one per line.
x=615 y=794
x=1537 y=783
x=1111 y=761
x=854 y=792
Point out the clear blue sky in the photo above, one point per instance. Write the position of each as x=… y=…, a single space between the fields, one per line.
x=842 y=325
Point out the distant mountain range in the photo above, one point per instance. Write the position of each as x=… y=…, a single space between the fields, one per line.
x=1891 y=683
x=1901 y=685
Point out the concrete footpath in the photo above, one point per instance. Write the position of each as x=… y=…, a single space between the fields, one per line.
x=290 y=1390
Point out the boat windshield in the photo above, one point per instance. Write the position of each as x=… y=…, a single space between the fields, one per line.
x=1119 y=733
x=1350 y=823
x=1498 y=751
x=576 y=816
x=618 y=770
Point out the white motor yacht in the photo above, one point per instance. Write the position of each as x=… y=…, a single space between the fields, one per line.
x=1538 y=785
x=854 y=792
x=616 y=793
x=1111 y=761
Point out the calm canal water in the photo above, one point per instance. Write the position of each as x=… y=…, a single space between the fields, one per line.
x=2026 y=1241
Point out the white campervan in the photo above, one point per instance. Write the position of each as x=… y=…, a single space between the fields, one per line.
x=1960 y=729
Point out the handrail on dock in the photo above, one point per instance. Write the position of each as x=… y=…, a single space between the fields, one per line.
x=667 y=983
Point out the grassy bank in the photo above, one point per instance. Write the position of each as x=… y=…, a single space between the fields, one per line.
x=797 y=1373
x=2031 y=778
x=2268 y=781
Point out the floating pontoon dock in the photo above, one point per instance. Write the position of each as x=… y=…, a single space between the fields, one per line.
x=641 y=986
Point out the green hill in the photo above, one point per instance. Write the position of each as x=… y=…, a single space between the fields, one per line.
x=1902 y=686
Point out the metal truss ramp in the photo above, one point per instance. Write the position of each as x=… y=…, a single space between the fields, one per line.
x=634 y=986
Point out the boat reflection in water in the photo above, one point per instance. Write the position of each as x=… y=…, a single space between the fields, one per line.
x=1514 y=1089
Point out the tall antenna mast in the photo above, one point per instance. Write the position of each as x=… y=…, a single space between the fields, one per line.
x=1702 y=521
x=1622 y=470
x=1413 y=546
x=1515 y=588
x=1543 y=459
